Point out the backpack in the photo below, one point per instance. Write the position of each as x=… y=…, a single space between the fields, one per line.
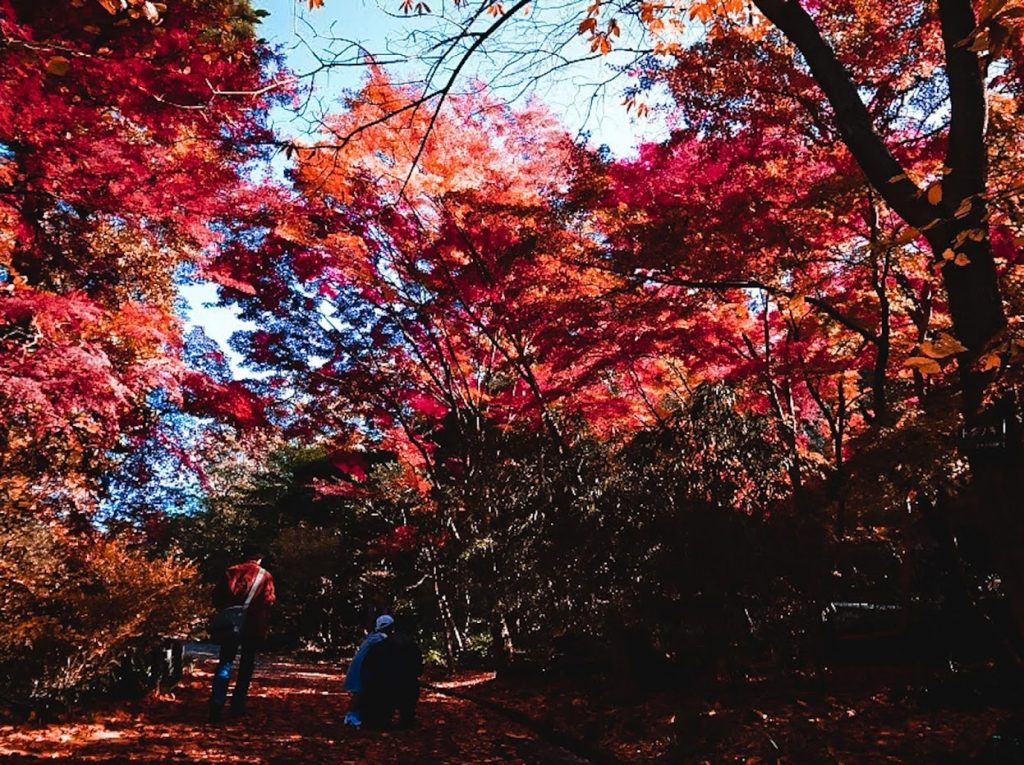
x=226 y=626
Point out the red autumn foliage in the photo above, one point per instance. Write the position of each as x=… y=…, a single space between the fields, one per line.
x=122 y=159
x=230 y=402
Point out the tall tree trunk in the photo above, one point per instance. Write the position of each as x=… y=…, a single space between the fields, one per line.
x=453 y=642
x=501 y=640
x=881 y=259
x=975 y=305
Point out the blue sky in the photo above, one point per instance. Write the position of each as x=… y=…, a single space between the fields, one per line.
x=302 y=34
x=380 y=29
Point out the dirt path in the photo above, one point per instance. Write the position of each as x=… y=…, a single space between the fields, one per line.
x=295 y=716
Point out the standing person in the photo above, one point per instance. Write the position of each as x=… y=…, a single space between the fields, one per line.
x=390 y=676
x=354 y=677
x=247 y=580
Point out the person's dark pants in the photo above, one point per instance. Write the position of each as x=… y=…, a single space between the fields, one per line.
x=405 y=702
x=222 y=674
x=378 y=710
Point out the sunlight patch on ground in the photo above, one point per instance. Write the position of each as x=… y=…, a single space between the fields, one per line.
x=329 y=676
x=466 y=680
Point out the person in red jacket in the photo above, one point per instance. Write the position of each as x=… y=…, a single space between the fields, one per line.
x=233 y=589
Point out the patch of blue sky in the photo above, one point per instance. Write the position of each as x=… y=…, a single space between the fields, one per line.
x=219 y=322
x=583 y=89
x=173 y=486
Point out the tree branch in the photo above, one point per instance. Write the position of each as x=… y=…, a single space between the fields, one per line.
x=852 y=117
x=965 y=152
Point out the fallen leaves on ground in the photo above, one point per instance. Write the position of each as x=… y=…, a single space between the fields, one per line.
x=297 y=706
x=857 y=716
x=295 y=716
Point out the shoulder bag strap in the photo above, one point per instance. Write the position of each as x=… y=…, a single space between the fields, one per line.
x=254 y=587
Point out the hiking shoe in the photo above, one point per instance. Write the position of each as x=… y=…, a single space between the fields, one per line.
x=351 y=718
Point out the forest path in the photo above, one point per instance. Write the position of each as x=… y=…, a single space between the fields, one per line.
x=295 y=716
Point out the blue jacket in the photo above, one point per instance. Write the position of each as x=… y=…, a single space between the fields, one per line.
x=353 y=682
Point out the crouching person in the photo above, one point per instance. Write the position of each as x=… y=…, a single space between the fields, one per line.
x=390 y=679
x=354 y=682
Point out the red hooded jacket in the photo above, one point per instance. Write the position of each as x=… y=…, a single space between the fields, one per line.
x=233 y=589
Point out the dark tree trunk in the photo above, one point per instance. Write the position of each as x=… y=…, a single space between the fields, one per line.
x=501 y=641
x=975 y=305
